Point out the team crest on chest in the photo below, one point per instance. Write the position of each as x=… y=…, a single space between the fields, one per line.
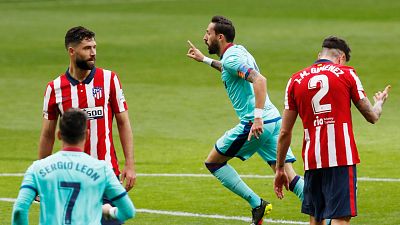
x=97 y=92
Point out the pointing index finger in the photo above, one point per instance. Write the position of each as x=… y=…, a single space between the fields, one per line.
x=191 y=45
x=387 y=89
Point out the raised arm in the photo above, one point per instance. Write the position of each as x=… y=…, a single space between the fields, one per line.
x=47 y=137
x=197 y=55
x=373 y=113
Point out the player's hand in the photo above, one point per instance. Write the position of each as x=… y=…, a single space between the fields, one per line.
x=37 y=198
x=382 y=96
x=281 y=179
x=194 y=53
x=256 y=129
x=106 y=211
x=128 y=176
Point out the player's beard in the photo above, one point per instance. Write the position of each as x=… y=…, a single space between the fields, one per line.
x=85 y=64
x=213 y=48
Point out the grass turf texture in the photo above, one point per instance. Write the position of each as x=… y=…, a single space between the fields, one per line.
x=179 y=108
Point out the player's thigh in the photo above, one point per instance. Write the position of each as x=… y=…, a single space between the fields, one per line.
x=313 y=203
x=339 y=188
x=330 y=193
x=269 y=144
x=233 y=142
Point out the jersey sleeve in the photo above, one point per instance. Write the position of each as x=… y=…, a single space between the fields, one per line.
x=117 y=194
x=236 y=66
x=26 y=194
x=117 y=98
x=125 y=208
x=356 y=89
x=114 y=189
x=50 y=109
x=290 y=103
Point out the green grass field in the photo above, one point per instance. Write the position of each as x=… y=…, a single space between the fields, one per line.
x=179 y=108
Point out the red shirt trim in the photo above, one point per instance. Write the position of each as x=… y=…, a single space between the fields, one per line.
x=72 y=149
x=226 y=48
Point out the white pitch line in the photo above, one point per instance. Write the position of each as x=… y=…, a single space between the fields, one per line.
x=239 y=218
x=7 y=199
x=187 y=214
x=13 y=200
x=255 y=176
x=11 y=174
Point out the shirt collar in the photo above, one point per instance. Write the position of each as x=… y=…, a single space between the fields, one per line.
x=226 y=48
x=323 y=61
x=87 y=80
x=72 y=149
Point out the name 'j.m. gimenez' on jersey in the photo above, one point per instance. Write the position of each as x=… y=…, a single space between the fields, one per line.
x=335 y=70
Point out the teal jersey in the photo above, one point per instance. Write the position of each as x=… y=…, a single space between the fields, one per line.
x=237 y=62
x=71 y=186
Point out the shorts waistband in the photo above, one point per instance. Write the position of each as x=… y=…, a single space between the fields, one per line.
x=265 y=121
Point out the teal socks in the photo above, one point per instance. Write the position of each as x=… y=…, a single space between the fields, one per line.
x=297 y=186
x=228 y=176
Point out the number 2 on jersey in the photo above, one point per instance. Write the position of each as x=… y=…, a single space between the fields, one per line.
x=324 y=88
x=76 y=187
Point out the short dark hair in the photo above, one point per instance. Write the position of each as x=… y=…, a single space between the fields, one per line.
x=73 y=126
x=337 y=43
x=224 y=26
x=76 y=34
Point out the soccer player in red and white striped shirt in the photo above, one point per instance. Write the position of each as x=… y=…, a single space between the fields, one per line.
x=98 y=92
x=321 y=95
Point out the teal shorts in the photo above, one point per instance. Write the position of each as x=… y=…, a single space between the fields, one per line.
x=234 y=142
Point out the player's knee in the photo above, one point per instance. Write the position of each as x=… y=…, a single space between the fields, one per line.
x=212 y=167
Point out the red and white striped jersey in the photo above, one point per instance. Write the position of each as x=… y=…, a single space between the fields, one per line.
x=101 y=96
x=322 y=94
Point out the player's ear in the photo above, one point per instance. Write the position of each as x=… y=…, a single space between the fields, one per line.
x=71 y=50
x=59 y=135
x=221 y=37
x=343 y=59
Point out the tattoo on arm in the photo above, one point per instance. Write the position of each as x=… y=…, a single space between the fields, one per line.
x=364 y=106
x=371 y=114
x=216 y=65
x=252 y=76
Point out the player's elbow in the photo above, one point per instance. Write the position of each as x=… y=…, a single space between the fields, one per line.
x=372 y=121
x=132 y=213
x=129 y=211
x=284 y=133
x=261 y=79
x=19 y=215
x=372 y=118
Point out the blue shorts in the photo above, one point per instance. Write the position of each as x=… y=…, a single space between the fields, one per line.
x=330 y=192
x=234 y=142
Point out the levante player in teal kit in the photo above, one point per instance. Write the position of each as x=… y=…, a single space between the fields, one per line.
x=260 y=121
x=71 y=183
